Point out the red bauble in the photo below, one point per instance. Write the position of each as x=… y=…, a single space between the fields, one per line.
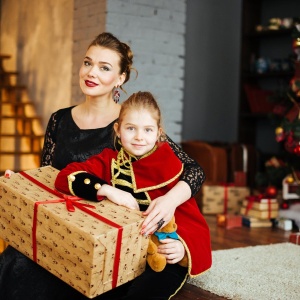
x=271 y=191
x=291 y=142
x=297 y=150
x=285 y=205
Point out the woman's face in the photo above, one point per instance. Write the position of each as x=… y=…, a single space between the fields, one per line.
x=100 y=72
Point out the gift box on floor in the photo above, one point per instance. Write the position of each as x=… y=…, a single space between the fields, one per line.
x=219 y=199
x=229 y=221
x=284 y=224
x=262 y=204
x=295 y=238
x=254 y=206
x=92 y=246
x=260 y=214
x=255 y=222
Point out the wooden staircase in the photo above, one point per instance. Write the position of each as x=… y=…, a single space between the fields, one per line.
x=21 y=133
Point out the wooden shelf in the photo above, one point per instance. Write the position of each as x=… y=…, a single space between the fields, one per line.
x=247 y=74
x=269 y=33
x=257 y=128
x=250 y=115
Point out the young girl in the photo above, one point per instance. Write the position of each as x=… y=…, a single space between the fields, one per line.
x=142 y=168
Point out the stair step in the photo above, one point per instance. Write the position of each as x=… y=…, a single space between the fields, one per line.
x=16 y=104
x=25 y=135
x=8 y=73
x=12 y=87
x=5 y=56
x=20 y=152
x=20 y=118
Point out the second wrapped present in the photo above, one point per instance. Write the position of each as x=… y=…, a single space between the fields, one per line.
x=219 y=199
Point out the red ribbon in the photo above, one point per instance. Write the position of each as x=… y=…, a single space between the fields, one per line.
x=226 y=185
x=70 y=203
x=251 y=200
x=269 y=208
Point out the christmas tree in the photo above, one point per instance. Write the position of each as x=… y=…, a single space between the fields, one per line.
x=285 y=117
x=287 y=110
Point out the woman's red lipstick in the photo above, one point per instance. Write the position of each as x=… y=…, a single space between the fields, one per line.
x=90 y=83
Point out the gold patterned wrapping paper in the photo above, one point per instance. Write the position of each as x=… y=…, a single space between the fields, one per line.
x=214 y=197
x=75 y=246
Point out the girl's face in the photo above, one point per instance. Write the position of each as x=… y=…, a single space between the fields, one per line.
x=100 y=72
x=138 y=131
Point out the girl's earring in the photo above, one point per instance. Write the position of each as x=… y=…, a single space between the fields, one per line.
x=116 y=94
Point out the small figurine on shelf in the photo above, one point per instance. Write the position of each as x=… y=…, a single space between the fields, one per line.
x=291 y=187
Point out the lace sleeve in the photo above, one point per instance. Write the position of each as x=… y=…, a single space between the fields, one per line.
x=49 y=141
x=193 y=174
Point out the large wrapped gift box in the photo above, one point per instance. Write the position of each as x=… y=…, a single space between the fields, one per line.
x=92 y=246
x=219 y=199
x=260 y=208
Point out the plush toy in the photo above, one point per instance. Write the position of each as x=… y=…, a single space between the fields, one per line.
x=157 y=261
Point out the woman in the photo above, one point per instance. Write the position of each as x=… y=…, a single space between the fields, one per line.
x=75 y=134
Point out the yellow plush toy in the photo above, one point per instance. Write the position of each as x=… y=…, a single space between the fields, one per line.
x=158 y=261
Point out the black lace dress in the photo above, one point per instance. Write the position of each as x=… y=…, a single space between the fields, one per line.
x=65 y=142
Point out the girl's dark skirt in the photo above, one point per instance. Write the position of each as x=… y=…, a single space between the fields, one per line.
x=21 y=278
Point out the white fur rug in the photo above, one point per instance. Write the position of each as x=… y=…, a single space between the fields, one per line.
x=269 y=272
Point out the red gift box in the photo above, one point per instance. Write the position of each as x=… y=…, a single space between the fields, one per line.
x=295 y=238
x=229 y=221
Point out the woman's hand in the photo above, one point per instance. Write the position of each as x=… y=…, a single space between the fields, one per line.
x=172 y=249
x=118 y=196
x=162 y=208
x=8 y=173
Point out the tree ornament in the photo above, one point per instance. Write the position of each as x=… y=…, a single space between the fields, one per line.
x=297 y=150
x=280 y=134
x=296 y=47
x=289 y=179
x=271 y=191
x=295 y=86
x=284 y=205
x=289 y=142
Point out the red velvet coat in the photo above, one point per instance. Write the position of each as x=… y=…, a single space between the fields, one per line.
x=155 y=175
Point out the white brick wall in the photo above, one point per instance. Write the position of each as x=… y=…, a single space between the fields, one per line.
x=155 y=30
x=88 y=21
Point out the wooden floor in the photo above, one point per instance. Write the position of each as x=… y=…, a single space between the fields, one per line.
x=222 y=238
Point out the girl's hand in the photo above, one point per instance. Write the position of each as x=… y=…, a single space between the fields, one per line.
x=8 y=173
x=159 y=213
x=172 y=249
x=118 y=196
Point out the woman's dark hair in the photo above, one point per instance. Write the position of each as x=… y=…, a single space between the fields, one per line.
x=109 y=41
